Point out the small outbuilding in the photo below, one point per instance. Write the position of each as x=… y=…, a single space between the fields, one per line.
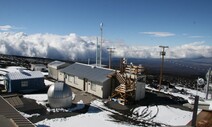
x=24 y=81
x=60 y=95
x=53 y=68
x=92 y=79
x=38 y=67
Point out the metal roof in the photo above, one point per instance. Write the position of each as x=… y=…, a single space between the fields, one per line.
x=9 y=112
x=92 y=73
x=56 y=64
x=3 y=71
x=24 y=74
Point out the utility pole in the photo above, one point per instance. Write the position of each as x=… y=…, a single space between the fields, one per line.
x=162 y=53
x=101 y=29
x=194 y=117
x=110 y=50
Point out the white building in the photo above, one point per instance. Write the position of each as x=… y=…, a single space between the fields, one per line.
x=53 y=68
x=88 y=78
x=38 y=67
x=18 y=79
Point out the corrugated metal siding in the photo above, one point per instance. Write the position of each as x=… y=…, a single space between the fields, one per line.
x=89 y=72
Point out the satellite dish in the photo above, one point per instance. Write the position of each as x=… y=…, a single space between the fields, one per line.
x=200 y=81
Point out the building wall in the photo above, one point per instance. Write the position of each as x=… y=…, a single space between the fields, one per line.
x=61 y=76
x=53 y=73
x=39 y=67
x=74 y=81
x=27 y=85
x=107 y=88
x=95 y=88
x=140 y=91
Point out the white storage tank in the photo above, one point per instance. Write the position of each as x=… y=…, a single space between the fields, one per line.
x=60 y=95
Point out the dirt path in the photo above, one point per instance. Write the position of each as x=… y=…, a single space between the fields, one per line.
x=204 y=119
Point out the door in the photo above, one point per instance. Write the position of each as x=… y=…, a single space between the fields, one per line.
x=85 y=85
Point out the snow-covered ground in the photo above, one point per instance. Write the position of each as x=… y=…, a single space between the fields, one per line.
x=90 y=119
x=96 y=116
x=40 y=98
x=163 y=114
x=190 y=92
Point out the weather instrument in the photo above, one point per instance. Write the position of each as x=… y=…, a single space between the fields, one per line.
x=200 y=81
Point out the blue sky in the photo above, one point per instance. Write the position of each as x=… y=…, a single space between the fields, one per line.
x=136 y=22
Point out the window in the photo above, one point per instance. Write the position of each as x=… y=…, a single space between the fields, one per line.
x=93 y=86
x=75 y=80
x=69 y=78
x=24 y=83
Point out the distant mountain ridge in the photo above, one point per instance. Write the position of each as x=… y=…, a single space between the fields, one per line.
x=184 y=67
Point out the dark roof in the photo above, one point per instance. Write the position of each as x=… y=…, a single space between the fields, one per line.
x=92 y=73
x=11 y=115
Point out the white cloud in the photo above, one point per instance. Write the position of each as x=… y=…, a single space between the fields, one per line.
x=196 y=36
x=159 y=34
x=5 y=28
x=191 y=50
x=73 y=46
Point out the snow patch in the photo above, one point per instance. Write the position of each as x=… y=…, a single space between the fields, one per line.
x=27 y=115
x=163 y=114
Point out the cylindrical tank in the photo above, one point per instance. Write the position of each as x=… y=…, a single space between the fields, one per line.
x=59 y=95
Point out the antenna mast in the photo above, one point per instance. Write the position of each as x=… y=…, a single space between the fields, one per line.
x=97 y=53
x=110 y=50
x=163 y=53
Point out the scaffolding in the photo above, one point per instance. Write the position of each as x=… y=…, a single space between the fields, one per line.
x=127 y=78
